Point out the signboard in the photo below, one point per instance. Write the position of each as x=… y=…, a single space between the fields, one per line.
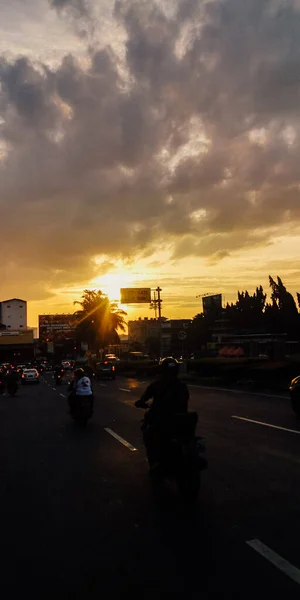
x=16 y=338
x=56 y=327
x=212 y=304
x=182 y=335
x=135 y=295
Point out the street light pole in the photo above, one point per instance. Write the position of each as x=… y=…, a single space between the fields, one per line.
x=159 y=301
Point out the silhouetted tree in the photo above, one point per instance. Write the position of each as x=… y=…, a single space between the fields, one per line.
x=198 y=333
x=281 y=314
x=248 y=311
x=98 y=320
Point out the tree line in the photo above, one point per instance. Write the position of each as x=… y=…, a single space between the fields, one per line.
x=98 y=321
x=253 y=313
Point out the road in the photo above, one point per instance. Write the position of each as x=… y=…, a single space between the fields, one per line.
x=78 y=519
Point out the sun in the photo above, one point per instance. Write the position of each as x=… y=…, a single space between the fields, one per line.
x=111 y=283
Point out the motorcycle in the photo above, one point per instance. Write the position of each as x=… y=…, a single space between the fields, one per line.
x=81 y=409
x=12 y=388
x=175 y=453
x=58 y=379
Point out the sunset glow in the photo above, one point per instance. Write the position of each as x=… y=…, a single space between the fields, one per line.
x=121 y=168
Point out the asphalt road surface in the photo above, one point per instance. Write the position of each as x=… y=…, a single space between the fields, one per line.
x=78 y=518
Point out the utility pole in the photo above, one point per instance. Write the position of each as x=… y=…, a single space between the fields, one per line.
x=154 y=304
x=158 y=302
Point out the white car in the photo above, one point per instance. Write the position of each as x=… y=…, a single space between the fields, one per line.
x=30 y=376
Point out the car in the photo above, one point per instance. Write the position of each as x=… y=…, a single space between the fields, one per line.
x=105 y=370
x=47 y=366
x=111 y=358
x=20 y=369
x=66 y=365
x=30 y=376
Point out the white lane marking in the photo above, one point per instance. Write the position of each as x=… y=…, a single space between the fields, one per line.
x=54 y=389
x=124 y=390
x=102 y=384
x=217 y=389
x=120 y=439
x=283 y=565
x=266 y=424
x=62 y=395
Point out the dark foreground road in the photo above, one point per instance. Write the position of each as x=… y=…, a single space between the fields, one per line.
x=78 y=519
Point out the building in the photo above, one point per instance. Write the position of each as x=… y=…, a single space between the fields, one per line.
x=13 y=314
x=16 y=346
x=173 y=333
x=174 y=336
x=141 y=330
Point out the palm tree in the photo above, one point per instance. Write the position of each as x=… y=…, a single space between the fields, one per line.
x=98 y=320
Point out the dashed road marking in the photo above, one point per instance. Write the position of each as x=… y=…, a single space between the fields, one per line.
x=120 y=439
x=62 y=395
x=102 y=384
x=54 y=389
x=124 y=390
x=283 y=565
x=266 y=424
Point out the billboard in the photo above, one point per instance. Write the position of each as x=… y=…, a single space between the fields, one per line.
x=212 y=304
x=14 y=338
x=135 y=295
x=55 y=328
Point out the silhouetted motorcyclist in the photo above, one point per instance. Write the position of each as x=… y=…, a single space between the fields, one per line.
x=80 y=386
x=58 y=370
x=170 y=396
x=12 y=381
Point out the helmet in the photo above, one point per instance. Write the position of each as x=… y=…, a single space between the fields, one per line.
x=169 y=367
x=79 y=372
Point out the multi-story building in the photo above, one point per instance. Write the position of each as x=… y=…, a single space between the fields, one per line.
x=140 y=330
x=13 y=314
x=173 y=333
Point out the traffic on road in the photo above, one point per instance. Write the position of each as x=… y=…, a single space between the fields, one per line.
x=80 y=511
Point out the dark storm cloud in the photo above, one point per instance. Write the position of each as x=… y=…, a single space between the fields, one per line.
x=81 y=6
x=81 y=14
x=192 y=139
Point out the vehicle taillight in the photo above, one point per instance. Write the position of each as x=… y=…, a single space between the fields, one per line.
x=113 y=368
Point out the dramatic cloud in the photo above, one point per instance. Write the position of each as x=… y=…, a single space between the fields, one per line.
x=186 y=134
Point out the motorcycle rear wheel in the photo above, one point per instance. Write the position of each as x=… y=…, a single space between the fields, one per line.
x=189 y=486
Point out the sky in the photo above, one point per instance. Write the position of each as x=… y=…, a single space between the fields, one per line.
x=147 y=143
